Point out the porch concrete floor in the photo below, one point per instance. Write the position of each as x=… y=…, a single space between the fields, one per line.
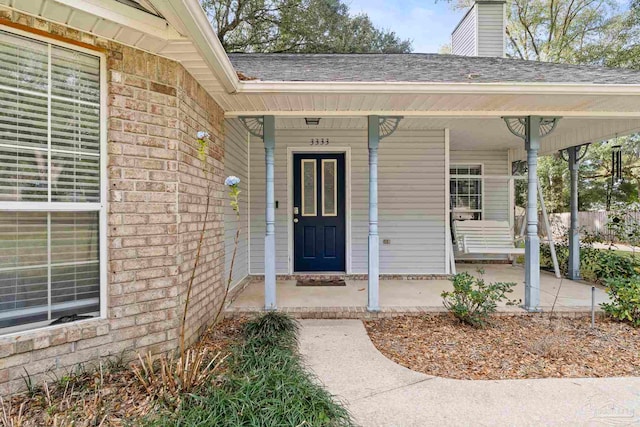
x=421 y=293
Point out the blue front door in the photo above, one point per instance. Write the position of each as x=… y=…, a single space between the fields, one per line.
x=319 y=212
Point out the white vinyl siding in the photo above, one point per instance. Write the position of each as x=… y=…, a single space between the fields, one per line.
x=411 y=179
x=51 y=185
x=491 y=30
x=236 y=163
x=463 y=39
x=481 y=31
x=411 y=175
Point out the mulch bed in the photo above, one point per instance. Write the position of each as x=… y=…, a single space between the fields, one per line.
x=111 y=396
x=511 y=348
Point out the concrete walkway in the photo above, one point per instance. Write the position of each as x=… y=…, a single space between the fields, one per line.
x=379 y=392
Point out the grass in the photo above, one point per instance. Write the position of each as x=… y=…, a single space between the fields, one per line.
x=262 y=382
x=623 y=253
x=266 y=385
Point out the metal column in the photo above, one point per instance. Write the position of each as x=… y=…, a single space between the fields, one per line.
x=532 y=241
x=373 y=293
x=270 y=215
x=574 y=235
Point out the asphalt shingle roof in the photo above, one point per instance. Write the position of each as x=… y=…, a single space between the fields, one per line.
x=419 y=67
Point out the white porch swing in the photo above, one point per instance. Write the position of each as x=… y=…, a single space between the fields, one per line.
x=491 y=237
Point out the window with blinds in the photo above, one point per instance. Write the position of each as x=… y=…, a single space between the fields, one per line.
x=50 y=183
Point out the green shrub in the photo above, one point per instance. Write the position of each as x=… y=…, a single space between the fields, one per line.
x=273 y=328
x=472 y=300
x=625 y=299
x=596 y=265
x=267 y=385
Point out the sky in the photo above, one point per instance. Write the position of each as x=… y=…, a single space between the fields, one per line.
x=427 y=23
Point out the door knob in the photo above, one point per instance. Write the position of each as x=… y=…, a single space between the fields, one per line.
x=295 y=220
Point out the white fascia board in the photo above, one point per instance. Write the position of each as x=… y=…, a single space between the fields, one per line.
x=373 y=88
x=452 y=114
x=192 y=20
x=126 y=16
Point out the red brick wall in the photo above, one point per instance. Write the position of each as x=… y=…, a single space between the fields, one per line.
x=156 y=205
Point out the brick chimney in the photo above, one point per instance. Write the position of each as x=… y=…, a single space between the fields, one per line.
x=481 y=32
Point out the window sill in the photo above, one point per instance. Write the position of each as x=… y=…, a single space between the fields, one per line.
x=50 y=336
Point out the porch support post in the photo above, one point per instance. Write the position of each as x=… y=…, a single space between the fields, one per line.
x=532 y=241
x=574 y=235
x=270 y=215
x=373 y=300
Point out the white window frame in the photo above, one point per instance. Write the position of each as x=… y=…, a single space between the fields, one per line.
x=479 y=177
x=101 y=207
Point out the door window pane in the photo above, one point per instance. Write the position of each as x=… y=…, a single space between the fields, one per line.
x=309 y=187
x=329 y=187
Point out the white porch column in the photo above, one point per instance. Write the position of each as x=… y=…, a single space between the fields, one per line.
x=269 y=132
x=574 y=236
x=532 y=242
x=373 y=300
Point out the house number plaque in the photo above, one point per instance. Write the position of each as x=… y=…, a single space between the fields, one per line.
x=319 y=141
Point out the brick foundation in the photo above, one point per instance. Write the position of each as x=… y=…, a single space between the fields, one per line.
x=156 y=205
x=360 y=312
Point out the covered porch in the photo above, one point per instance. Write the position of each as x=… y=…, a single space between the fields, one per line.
x=398 y=205
x=402 y=295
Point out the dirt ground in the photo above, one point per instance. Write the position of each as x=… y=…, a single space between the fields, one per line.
x=107 y=394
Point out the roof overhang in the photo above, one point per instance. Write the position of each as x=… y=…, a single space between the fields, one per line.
x=432 y=99
x=181 y=31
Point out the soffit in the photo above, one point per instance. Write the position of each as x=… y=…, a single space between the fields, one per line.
x=139 y=27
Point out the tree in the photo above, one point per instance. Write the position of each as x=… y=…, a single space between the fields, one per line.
x=627 y=37
x=298 y=26
x=597 y=189
x=553 y=174
x=567 y=31
x=597 y=32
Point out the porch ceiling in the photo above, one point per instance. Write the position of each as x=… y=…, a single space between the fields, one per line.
x=482 y=133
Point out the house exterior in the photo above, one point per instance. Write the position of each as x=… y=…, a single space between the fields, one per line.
x=102 y=193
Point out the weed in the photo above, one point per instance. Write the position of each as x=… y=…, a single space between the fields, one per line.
x=32 y=387
x=6 y=417
x=168 y=377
